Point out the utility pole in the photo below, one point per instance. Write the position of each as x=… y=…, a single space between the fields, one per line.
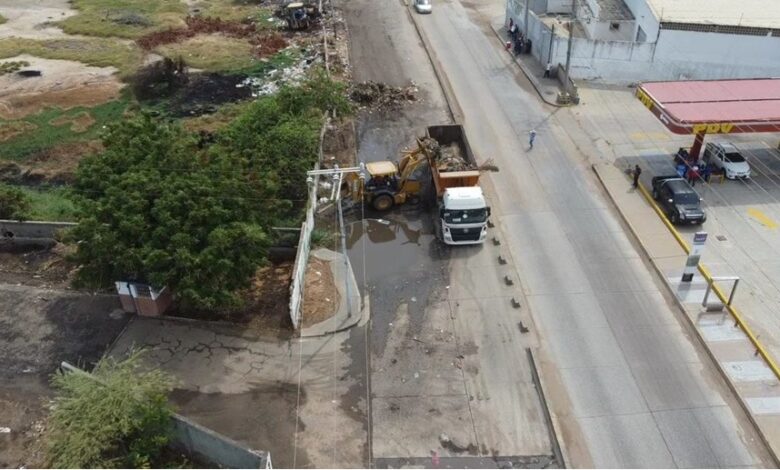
x=571 y=37
x=525 y=22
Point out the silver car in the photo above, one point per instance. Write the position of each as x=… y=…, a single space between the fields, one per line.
x=422 y=6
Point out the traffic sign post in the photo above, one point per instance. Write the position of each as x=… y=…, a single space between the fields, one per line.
x=699 y=238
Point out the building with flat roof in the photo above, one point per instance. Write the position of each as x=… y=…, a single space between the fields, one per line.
x=623 y=41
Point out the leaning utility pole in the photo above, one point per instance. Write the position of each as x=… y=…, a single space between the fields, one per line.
x=571 y=37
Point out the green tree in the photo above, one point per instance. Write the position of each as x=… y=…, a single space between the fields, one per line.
x=14 y=204
x=120 y=418
x=155 y=208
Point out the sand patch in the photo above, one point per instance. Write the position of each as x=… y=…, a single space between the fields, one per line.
x=31 y=19
x=63 y=83
x=79 y=122
x=321 y=298
x=9 y=130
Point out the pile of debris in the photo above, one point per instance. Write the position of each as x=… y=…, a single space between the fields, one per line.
x=277 y=78
x=448 y=157
x=379 y=95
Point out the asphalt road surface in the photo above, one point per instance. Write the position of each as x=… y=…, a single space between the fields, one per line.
x=631 y=388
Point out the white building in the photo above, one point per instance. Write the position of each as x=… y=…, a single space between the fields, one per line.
x=633 y=40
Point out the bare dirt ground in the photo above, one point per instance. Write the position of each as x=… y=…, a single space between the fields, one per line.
x=30 y=18
x=321 y=295
x=45 y=268
x=63 y=83
x=39 y=328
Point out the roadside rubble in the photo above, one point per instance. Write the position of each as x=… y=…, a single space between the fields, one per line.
x=448 y=157
x=275 y=79
x=380 y=95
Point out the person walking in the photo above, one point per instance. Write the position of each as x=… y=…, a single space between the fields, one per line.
x=531 y=138
x=547 y=70
x=637 y=172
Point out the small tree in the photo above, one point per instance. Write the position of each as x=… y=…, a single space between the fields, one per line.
x=155 y=209
x=14 y=204
x=120 y=418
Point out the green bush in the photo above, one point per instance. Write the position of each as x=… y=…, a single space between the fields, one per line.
x=14 y=203
x=118 y=419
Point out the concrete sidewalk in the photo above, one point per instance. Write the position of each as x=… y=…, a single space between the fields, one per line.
x=547 y=88
x=348 y=311
x=753 y=381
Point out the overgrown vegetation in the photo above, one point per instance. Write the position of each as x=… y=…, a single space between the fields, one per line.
x=14 y=204
x=12 y=66
x=98 y=52
x=53 y=126
x=124 y=18
x=54 y=204
x=118 y=419
x=164 y=207
x=212 y=52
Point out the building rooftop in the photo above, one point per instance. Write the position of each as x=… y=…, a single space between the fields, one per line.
x=614 y=10
x=745 y=13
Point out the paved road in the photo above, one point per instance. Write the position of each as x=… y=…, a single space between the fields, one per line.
x=631 y=389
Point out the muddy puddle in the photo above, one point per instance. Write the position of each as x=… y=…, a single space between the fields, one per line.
x=397 y=260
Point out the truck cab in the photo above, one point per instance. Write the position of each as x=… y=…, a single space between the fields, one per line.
x=464 y=214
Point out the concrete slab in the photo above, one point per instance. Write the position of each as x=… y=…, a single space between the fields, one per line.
x=591 y=347
x=686 y=439
x=748 y=371
x=432 y=418
x=656 y=344
x=634 y=309
x=764 y=405
x=568 y=311
x=725 y=440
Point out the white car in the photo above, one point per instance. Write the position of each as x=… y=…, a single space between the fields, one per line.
x=726 y=156
x=422 y=6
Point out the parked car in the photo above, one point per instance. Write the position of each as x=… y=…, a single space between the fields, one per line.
x=727 y=157
x=422 y=6
x=678 y=200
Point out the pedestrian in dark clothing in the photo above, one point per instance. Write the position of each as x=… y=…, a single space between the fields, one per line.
x=547 y=70
x=637 y=172
x=531 y=138
x=693 y=175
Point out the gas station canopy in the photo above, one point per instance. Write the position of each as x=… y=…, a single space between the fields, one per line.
x=714 y=106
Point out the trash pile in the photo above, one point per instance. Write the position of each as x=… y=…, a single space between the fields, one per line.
x=275 y=79
x=448 y=157
x=380 y=95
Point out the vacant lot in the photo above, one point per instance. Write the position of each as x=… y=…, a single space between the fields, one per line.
x=39 y=328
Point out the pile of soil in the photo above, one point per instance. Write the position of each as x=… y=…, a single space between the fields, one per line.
x=380 y=95
x=448 y=157
x=320 y=295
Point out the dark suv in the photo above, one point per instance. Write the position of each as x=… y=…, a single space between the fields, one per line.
x=678 y=200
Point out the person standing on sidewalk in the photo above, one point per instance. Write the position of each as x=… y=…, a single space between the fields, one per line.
x=547 y=70
x=693 y=175
x=531 y=138
x=637 y=172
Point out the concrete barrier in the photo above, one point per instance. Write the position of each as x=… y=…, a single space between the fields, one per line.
x=32 y=229
x=215 y=448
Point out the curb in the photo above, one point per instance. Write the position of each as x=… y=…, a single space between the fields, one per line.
x=531 y=78
x=690 y=323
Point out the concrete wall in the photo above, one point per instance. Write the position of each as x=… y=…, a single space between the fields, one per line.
x=32 y=229
x=676 y=55
x=558 y=6
x=644 y=17
x=215 y=448
x=601 y=30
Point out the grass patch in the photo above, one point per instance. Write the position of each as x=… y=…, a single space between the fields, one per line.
x=128 y=19
x=46 y=129
x=215 y=121
x=212 y=52
x=236 y=10
x=280 y=60
x=97 y=52
x=52 y=204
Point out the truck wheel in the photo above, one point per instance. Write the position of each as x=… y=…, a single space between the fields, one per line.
x=382 y=202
